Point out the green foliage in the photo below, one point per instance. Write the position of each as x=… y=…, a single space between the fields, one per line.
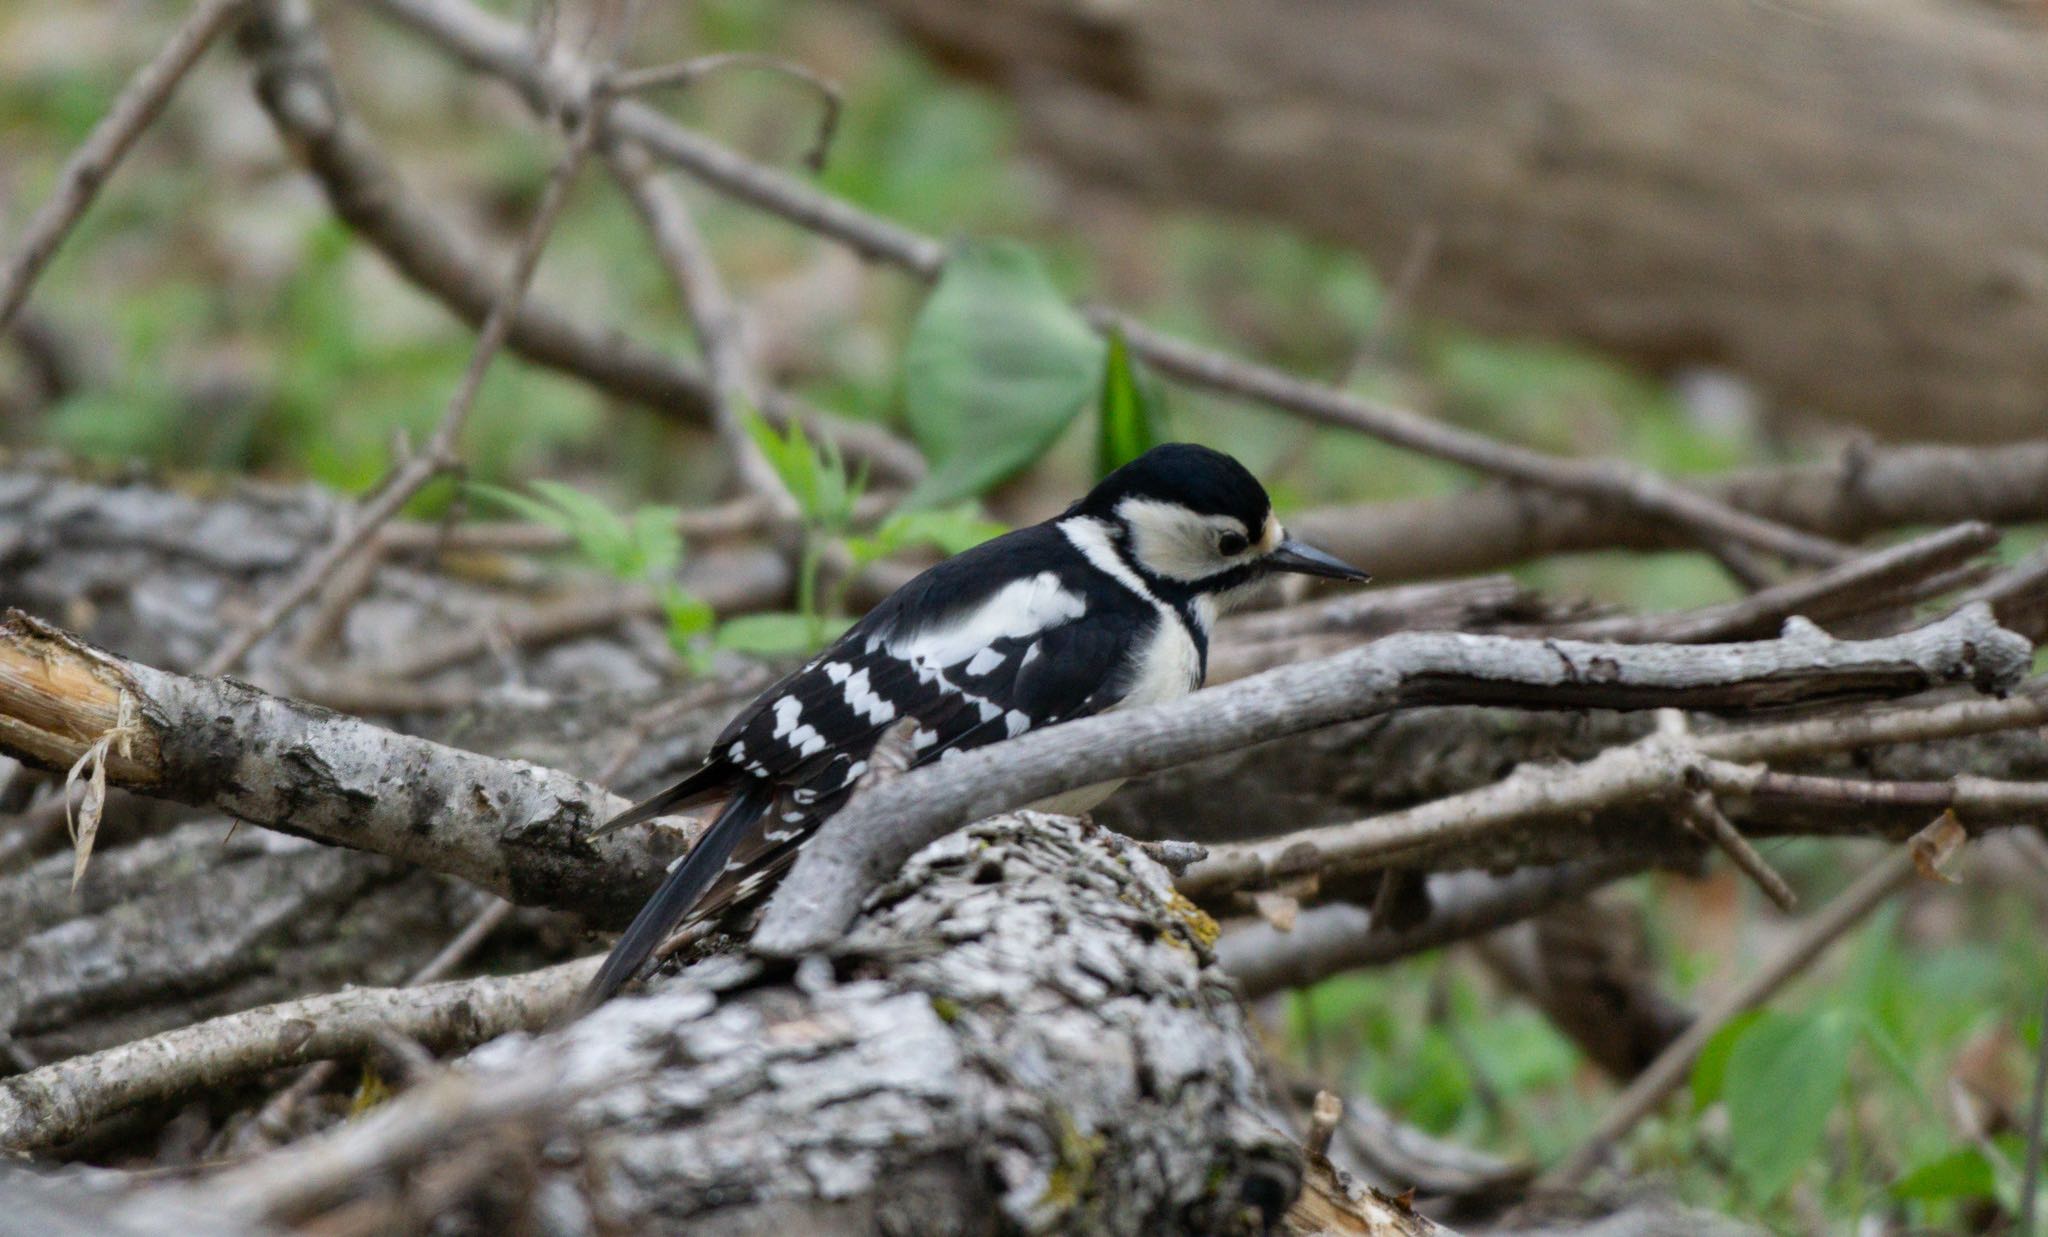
x=643 y=548
x=1959 y=1174
x=1710 y=1070
x=997 y=366
x=950 y=530
x=1784 y=1077
x=826 y=495
x=816 y=476
x=1133 y=416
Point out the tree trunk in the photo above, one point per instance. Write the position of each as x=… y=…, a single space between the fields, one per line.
x=1839 y=200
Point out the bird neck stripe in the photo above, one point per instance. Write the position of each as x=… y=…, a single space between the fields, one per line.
x=1092 y=538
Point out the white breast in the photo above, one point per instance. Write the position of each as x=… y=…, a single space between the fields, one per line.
x=1168 y=666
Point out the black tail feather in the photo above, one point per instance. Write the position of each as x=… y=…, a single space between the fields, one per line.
x=686 y=883
x=706 y=783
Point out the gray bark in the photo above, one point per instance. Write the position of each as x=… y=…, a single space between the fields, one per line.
x=1026 y=1033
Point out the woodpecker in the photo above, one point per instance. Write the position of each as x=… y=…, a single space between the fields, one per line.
x=1107 y=606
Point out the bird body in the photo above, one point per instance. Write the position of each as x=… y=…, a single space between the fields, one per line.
x=1108 y=606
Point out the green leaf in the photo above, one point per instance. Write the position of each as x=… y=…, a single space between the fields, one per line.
x=815 y=476
x=1710 y=1069
x=1133 y=411
x=688 y=616
x=997 y=365
x=656 y=542
x=519 y=504
x=1784 y=1078
x=769 y=635
x=951 y=530
x=1964 y=1173
x=598 y=530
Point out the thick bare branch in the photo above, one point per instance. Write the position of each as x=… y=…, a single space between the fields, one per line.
x=870 y=838
x=513 y=828
x=1068 y=1059
x=1659 y=768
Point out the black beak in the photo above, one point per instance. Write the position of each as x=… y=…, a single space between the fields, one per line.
x=1309 y=561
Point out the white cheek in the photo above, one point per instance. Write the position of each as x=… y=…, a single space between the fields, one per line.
x=1171 y=541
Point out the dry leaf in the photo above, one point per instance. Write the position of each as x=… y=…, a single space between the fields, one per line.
x=1276 y=909
x=84 y=826
x=1934 y=846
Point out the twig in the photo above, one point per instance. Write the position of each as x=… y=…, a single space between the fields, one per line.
x=1612 y=482
x=2037 y=1111
x=139 y=104
x=1372 y=348
x=728 y=583
x=1329 y=940
x=735 y=391
x=688 y=72
x=738 y=518
x=298 y=90
x=270 y=1119
x=502 y=50
x=441 y=453
x=869 y=839
x=58 y=1103
x=1652 y=769
x=1705 y=817
x=1669 y=1070
x=1837 y=592
x=1496 y=525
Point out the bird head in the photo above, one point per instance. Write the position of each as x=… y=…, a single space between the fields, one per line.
x=1196 y=519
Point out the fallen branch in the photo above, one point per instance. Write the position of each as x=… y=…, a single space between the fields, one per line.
x=515 y=829
x=1056 y=1053
x=1613 y=483
x=871 y=837
x=59 y=1103
x=1657 y=768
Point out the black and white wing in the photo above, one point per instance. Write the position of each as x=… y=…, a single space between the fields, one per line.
x=970 y=656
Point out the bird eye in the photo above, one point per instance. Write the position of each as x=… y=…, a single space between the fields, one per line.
x=1230 y=545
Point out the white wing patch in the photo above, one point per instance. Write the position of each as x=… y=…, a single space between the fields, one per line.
x=1020 y=608
x=787 y=710
x=864 y=700
x=984 y=661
